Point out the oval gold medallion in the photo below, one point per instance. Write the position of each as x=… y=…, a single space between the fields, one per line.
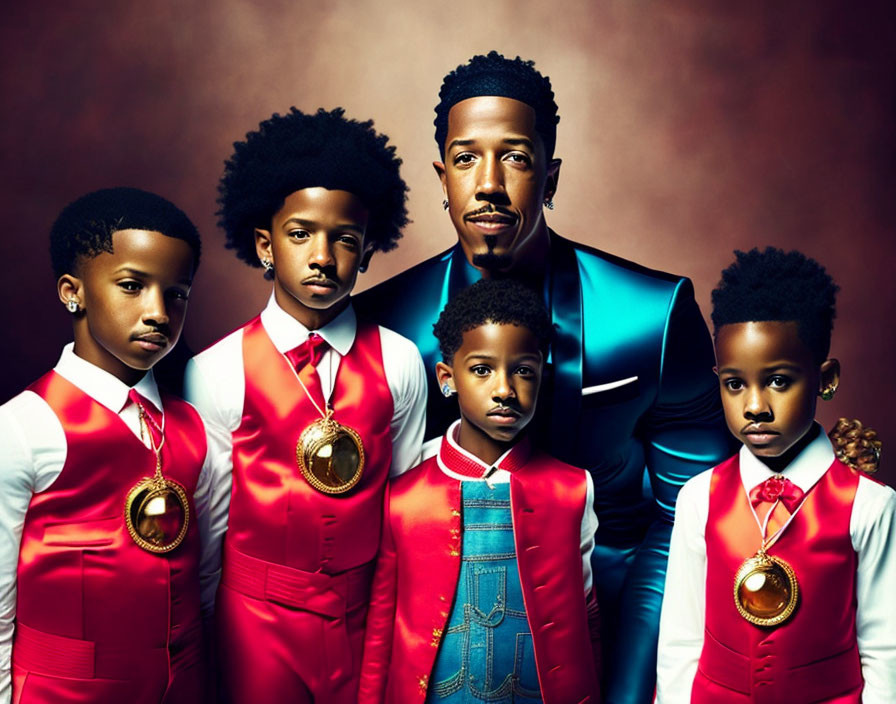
x=330 y=456
x=765 y=590
x=157 y=514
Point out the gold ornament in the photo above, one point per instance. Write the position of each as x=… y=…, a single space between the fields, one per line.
x=330 y=455
x=765 y=589
x=157 y=513
x=156 y=510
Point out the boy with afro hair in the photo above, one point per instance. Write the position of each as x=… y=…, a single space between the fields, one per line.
x=104 y=481
x=807 y=542
x=312 y=410
x=483 y=589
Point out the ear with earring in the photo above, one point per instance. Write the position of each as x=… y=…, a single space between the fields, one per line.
x=549 y=203
x=445 y=204
x=72 y=306
x=447 y=391
x=268 y=268
x=827 y=393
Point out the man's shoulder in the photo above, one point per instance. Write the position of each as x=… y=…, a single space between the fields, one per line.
x=408 y=286
x=598 y=262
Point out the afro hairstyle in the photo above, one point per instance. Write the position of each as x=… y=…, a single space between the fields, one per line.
x=294 y=151
x=85 y=227
x=497 y=75
x=780 y=286
x=501 y=301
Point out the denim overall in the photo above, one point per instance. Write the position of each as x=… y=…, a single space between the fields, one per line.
x=486 y=654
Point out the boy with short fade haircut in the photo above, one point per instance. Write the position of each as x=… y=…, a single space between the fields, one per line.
x=312 y=410
x=483 y=589
x=103 y=486
x=629 y=393
x=807 y=543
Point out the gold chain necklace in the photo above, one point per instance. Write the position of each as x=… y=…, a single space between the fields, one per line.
x=156 y=509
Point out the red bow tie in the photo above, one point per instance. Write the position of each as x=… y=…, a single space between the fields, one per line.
x=309 y=352
x=777 y=488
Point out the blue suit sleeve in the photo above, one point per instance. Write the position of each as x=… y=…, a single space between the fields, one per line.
x=683 y=434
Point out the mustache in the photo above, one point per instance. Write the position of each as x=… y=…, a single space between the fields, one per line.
x=158 y=335
x=322 y=279
x=504 y=406
x=489 y=209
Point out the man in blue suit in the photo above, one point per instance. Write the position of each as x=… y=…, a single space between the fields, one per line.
x=630 y=393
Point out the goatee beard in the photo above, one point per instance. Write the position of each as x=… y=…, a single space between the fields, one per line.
x=492 y=262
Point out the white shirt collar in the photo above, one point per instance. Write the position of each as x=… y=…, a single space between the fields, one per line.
x=288 y=333
x=804 y=471
x=102 y=386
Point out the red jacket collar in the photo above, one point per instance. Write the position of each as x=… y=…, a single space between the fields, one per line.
x=460 y=461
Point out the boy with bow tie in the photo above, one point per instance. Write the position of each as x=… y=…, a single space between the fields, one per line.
x=783 y=558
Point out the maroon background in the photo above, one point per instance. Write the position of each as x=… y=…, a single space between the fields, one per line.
x=688 y=128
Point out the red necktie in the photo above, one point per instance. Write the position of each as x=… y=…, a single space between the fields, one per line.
x=776 y=488
x=153 y=416
x=304 y=360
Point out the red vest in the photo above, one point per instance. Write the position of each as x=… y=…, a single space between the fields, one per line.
x=80 y=575
x=811 y=657
x=419 y=567
x=275 y=515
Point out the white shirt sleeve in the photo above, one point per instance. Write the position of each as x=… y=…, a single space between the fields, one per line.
x=589 y=528
x=32 y=454
x=214 y=383
x=212 y=501
x=873 y=533
x=684 y=600
x=406 y=377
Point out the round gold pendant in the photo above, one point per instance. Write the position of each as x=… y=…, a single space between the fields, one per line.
x=157 y=514
x=765 y=590
x=330 y=456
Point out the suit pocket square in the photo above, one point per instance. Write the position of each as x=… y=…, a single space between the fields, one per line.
x=612 y=391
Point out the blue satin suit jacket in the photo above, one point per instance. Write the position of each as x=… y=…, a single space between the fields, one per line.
x=629 y=394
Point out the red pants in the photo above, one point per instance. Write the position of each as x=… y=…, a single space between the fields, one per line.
x=50 y=669
x=289 y=635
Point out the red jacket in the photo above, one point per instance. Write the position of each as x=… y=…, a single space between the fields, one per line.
x=419 y=564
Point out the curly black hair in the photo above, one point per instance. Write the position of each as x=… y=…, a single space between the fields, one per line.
x=502 y=301
x=778 y=285
x=497 y=75
x=85 y=226
x=294 y=151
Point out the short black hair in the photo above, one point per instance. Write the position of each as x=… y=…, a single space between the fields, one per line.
x=294 y=151
x=781 y=286
x=85 y=226
x=501 y=301
x=497 y=75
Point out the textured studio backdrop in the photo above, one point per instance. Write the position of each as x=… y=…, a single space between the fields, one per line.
x=688 y=128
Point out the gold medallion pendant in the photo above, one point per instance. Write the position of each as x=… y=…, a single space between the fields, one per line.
x=156 y=510
x=330 y=455
x=157 y=513
x=765 y=590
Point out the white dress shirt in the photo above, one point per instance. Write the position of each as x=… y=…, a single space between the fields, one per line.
x=32 y=454
x=872 y=530
x=502 y=476
x=215 y=383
